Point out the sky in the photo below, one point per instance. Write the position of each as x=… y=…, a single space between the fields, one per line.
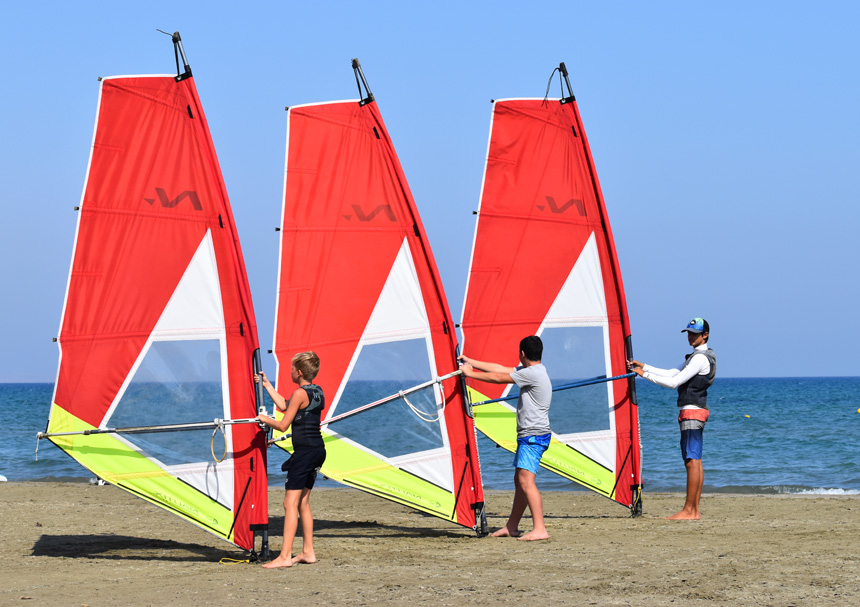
x=725 y=137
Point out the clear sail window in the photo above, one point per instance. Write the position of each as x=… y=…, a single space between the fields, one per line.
x=572 y=354
x=392 y=429
x=178 y=382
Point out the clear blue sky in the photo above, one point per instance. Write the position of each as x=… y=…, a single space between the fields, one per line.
x=726 y=136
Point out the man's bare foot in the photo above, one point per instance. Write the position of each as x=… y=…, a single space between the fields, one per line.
x=505 y=532
x=281 y=561
x=534 y=536
x=684 y=515
x=305 y=558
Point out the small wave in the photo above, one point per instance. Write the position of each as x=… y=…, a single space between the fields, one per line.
x=781 y=490
x=824 y=491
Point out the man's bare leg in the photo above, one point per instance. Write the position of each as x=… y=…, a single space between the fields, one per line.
x=535 y=503
x=695 y=482
x=512 y=527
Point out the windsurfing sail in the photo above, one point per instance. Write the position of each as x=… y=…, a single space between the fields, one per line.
x=544 y=263
x=158 y=335
x=359 y=286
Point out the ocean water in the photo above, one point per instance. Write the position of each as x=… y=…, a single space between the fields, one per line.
x=769 y=435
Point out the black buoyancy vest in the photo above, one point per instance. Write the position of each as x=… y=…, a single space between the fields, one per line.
x=695 y=391
x=306 y=425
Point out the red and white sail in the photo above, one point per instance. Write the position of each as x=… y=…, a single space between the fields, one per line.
x=544 y=263
x=158 y=326
x=358 y=285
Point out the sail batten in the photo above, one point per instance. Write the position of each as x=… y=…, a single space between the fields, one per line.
x=544 y=263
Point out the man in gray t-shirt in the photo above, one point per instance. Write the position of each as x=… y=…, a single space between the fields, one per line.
x=533 y=432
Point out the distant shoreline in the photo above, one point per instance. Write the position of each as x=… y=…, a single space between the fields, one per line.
x=734 y=491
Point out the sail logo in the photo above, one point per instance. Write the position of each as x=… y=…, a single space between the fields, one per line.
x=169 y=203
x=394 y=490
x=362 y=216
x=555 y=208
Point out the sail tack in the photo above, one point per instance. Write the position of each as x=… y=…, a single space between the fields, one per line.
x=544 y=263
x=158 y=326
x=359 y=286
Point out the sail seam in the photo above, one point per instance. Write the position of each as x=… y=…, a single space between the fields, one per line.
x=147 y=214
x=554 y=220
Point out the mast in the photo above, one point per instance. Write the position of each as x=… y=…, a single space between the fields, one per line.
x=636 y=481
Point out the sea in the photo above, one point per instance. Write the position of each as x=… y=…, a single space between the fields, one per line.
x=772 y=436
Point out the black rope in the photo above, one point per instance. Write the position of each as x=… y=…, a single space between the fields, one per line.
x=175 y=53
x=549 y=84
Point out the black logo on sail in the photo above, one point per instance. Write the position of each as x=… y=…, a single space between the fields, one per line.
x=169 y=203
x=555 y=208
x=362 y=216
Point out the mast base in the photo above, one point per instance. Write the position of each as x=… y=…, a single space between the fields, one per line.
x=264 y=555
x=636 y=508
x=480 y=520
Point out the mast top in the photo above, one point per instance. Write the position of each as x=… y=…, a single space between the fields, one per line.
x=177 y=51
x=563 y=71
x=361 y=81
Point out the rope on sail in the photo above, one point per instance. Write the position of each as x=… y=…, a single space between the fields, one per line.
x=212 y=443
x=600 y=379
x=402 y=394
x=430 y=419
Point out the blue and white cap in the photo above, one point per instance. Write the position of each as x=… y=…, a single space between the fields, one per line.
x=697 y=325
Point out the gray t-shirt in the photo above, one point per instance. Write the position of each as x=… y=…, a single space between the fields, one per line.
x=533 y=404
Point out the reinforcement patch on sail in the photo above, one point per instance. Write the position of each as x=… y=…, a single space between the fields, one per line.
x=158 y=327
x=544 y=263
x=358 y=285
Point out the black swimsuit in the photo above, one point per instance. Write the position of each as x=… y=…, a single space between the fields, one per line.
x=309 y=448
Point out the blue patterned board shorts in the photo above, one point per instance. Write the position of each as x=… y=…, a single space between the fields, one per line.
x=691 y=444
x=529 y=451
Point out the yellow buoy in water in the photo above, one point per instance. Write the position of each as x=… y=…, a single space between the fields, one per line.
x=858 y=411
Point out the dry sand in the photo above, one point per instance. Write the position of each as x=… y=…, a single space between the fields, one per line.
x=74 y=544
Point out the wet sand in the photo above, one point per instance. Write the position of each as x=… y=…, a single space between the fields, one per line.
x=77 y=544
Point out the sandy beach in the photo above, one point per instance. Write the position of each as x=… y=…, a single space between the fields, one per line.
x=77 y=544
